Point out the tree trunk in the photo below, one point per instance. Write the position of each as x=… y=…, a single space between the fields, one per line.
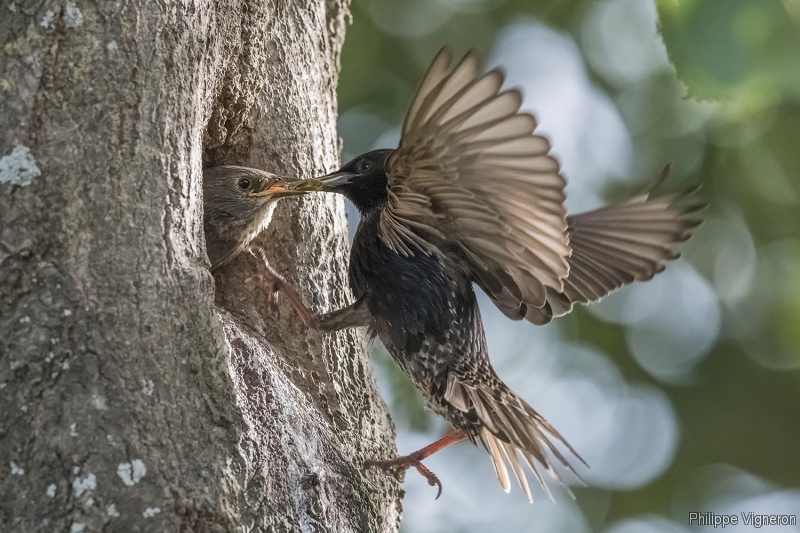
x=129 y=399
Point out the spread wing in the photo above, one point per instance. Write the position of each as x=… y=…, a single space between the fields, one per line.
x=471 y=171
x=619 y=244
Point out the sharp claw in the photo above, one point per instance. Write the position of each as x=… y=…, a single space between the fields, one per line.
x=434 y=482
x=403 y=464
x=433 y=479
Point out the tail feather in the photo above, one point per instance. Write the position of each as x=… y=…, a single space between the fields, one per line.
x=493 y=446
x=510 y=455
x=541 y=481
x=511 y=428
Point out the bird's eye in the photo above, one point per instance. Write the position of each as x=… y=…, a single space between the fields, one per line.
x=244 y=184
x=364 y=166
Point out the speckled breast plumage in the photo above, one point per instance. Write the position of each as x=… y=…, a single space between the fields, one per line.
x=425 y=312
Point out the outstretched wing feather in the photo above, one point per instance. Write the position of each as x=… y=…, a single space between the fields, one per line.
x=619 y=244
x=488 y=183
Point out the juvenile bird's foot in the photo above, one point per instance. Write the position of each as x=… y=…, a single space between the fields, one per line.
x=401 y=464
x=276 y=286
x=397 y=467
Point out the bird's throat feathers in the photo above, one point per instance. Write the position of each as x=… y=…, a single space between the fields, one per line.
x=369 y=193
x=260 y=222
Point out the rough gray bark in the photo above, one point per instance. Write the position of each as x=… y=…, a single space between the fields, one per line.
x=129 y=400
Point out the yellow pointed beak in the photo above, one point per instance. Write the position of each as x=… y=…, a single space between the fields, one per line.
x=285 y=188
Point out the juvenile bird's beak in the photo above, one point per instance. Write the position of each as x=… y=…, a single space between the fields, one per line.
x=281 y=189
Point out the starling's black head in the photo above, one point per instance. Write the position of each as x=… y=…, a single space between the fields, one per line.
x=362 y=181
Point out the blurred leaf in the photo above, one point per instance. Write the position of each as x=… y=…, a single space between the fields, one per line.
x=742 y=50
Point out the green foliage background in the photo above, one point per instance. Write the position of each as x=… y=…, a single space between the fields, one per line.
x=741 y=405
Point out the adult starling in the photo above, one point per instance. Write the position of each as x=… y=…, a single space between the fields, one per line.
x=238 y=203
x=472 y=196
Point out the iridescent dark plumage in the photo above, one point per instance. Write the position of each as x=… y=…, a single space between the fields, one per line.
x=472 y=196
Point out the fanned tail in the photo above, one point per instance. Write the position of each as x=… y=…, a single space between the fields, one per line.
x=511 y=430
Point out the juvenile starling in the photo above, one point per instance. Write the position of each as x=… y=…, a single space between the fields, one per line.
x=472 y=196
x=238 y=203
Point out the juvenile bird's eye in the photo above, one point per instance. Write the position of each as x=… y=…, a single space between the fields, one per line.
x=244 y=184
x=364 y=166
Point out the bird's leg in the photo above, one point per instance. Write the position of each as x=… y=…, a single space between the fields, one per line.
x=276 y=285
x=401 y=464
x=353 y=316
